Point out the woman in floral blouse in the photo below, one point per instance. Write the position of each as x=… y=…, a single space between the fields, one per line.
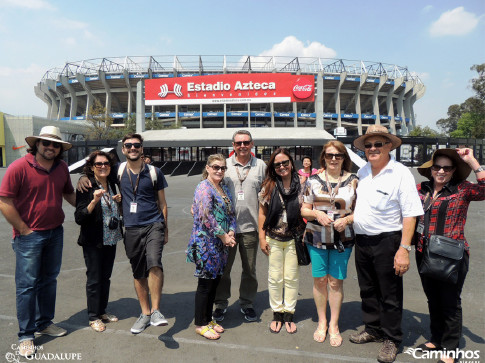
x=213 y=231
x=446 y=197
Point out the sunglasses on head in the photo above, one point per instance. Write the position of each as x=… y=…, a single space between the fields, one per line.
x=377 y=144
x=239 y=143
x=129 y=145
x=446 y=168
x=283 y=163
x=336 y=156
x=100 y=164
x=217 y=167
x=55 y=145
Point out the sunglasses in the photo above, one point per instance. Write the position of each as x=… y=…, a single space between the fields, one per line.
x=55 y=145
x=100 y=164
x=377 y=145
x=336 y=156
x=129 y=145
x=283 y=163
x=240 y=143
x=217 y=167
x=446 y=168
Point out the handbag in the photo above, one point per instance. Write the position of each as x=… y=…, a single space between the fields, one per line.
x=302 y=253
x=442 y=258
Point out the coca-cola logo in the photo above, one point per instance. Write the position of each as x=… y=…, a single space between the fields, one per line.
x=303 y=88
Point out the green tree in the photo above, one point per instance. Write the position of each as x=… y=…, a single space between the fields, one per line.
x=470 y=125
x=424 y=132
x=468 y=118
x=100 y=122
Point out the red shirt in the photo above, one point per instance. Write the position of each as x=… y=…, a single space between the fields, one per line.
x=449 y=210
x=36 y=192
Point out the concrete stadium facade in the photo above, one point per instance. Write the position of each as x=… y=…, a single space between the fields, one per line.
x=349 y=95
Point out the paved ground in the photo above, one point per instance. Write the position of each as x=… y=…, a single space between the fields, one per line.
x=242 y=341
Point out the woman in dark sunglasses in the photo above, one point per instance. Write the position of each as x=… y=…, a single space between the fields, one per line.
x=213 y=232
x=445 y=199
x=280 y=227
x=328 y=207
x=97 y=211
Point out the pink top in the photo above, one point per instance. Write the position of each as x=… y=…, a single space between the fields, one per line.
x=36 y=192
x=302 y=172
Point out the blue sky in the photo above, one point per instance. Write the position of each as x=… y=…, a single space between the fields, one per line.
x=438 y=40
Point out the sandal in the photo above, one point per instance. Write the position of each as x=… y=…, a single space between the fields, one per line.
x=216 y=327
x=109 y=318
x=97 y=325
x=320 y=334
x=208 y=333
x=335 y=339
x=278 y=323
x=288 y=319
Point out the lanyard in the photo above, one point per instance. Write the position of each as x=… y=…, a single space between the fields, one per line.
x=331 y=191
x=242 y=179
x=135 y=187
x=107 y=198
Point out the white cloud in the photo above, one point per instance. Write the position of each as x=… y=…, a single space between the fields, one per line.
x=454 y=22
x=69 y=41
x=291 y=46
x=423 y=76
x=64 y=23
x=426 y=9
x=27 y=4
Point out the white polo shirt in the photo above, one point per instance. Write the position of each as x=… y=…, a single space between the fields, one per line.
x=384 y=200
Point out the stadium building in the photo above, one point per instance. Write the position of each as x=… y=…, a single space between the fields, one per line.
x=203 y=92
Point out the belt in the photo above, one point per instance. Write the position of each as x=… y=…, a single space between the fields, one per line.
x=380 y=235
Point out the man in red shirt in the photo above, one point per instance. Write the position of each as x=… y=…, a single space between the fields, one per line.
x=31 y=200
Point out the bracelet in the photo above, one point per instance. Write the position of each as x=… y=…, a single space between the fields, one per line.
x=479 y=169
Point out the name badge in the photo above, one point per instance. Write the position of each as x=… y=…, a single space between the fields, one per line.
x=331 y=214
x=133 y=207
x=420 y=228
x=240 y=195
x=284 y=218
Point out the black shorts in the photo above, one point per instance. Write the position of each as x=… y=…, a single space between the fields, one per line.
x=144 y=247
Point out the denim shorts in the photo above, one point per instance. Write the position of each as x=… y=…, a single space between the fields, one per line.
x=329 y=262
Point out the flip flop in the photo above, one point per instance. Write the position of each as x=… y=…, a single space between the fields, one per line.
x=216 y=327
x=320 y=334
x=207 y=329
x=335 y=339
x=278 y=319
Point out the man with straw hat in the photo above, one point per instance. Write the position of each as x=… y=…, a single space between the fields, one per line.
x=31 y=196
x=384 y=221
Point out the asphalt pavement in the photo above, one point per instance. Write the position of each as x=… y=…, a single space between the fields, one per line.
x=242 y=341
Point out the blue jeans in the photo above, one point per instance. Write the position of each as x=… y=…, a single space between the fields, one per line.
x=38 y=262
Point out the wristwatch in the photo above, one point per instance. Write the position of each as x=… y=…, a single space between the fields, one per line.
x=408 y=248
x=479 y=169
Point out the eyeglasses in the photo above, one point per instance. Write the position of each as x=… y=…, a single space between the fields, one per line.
x=217 y=167
x=129 y=145
x=55 y=145
x=100 y=164
x=283 y=163
x=377 y=145
x=240 y=143
x=446 y=168
x=336 y=156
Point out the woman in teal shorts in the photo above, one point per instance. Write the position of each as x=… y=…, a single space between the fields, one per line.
x=328 y=205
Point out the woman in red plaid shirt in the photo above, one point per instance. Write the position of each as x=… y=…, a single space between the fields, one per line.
x=445 y=198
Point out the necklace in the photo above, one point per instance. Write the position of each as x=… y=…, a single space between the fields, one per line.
x=332 y=192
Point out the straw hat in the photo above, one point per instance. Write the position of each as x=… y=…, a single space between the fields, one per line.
x=462 y=169
x=377 y=130
x=51 y=133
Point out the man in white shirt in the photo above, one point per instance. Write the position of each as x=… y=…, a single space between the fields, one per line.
x=384 y=222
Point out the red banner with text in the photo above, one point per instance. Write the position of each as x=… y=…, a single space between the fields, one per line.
x=230 y=88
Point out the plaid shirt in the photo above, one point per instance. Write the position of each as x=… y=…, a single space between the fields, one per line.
x=452 y=205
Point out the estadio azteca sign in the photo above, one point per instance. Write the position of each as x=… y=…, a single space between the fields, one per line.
x=230 y=88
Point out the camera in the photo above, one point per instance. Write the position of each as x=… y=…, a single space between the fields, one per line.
x=113 y=223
